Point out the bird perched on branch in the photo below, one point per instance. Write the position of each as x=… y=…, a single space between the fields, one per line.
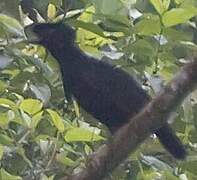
x=109 y=94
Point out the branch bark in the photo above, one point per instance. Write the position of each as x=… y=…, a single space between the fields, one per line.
x=151 y=118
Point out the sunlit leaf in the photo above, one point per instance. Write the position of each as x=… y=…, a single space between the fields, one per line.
x=51 y=13
x=31 y=106
x=160 y=5
x=178 y=15
x=11 y=25
x=36 y=119
x=44 y=177
x=7 y=103
x=81 y=134
x=3 y=86
x=57 y=120
x=7 y=176
x=4 y=119
x=13 y=73
x=1 y=151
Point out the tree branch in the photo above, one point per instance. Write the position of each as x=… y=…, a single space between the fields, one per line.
x=151 y=118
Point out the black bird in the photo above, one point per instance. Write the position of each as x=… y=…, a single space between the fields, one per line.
x=109 y=94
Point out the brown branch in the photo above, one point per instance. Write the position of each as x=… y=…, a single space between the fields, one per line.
x=151 y=118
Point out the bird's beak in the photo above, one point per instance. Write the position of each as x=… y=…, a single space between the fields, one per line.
x=31 y=36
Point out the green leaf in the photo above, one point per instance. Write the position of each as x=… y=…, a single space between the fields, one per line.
x=57 y=120
x=7 y=176
x=160 y=5
x=166 y=4
x=26 y=119
x=31 y=106
x=5 y=140
x=179 y=1
x=191 y=164
x=51 y=12
x=109 y=7
x=174 y=35
x=12 y=73
x=62 y=158
x=90 y=27
x=21 y=152
x=1 y=151
x=118 y=20
x=178 y=16
x=36 y=119
x=44 y=177
x=116 y=23
x=148 y=48
x=149 y=26
x=81 y=134
x=4 y=119
x=8 y=103
x=3 y=86
x=11 y=25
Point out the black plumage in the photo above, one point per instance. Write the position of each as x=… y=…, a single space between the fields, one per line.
x=109 y=94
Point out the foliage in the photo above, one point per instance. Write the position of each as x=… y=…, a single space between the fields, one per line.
x=42 y=136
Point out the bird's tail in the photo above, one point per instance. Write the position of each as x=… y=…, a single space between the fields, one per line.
x=171 y=142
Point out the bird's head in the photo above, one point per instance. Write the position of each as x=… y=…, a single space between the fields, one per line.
x=50 y=34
